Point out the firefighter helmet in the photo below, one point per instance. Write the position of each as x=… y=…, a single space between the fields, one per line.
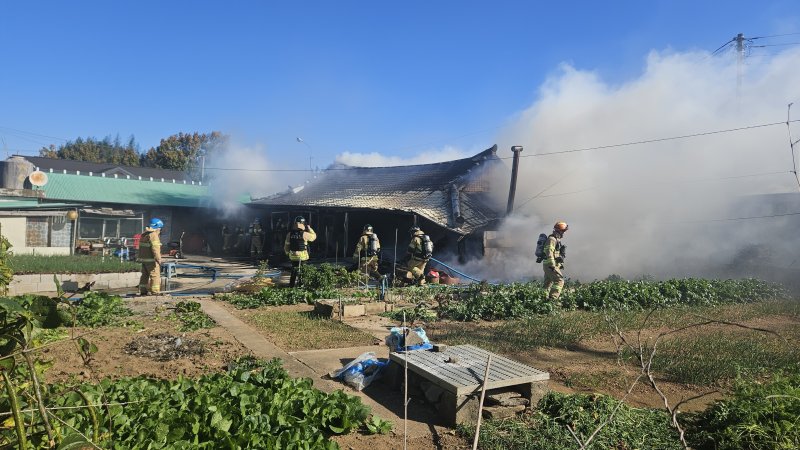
x=300 y=219
x=367 y=228
x=413 y=229
x=156 y=223
x=561 y=227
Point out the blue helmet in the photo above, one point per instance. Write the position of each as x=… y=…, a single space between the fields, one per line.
x=156 y=223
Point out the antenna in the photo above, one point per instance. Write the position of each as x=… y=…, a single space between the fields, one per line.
x=38 y=178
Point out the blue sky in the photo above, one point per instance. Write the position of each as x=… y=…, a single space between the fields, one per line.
x=398 y=78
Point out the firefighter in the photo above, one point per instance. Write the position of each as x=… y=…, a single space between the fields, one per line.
x=296 y=247
x=150 y=257
x=256 y=240
x=420 y=251
x=368 y=252
x=226 y=239
x=553 y=262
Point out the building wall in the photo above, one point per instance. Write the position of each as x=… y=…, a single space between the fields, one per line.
x=15 y=228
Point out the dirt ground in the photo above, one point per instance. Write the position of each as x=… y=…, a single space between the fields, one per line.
x=112 y=360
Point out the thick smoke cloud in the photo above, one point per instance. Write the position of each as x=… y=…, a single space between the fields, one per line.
x=654 y=209
x=238 y=173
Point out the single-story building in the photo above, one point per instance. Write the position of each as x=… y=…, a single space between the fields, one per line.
x=449 y=200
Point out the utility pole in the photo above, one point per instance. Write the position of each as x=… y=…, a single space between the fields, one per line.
x=739 y=62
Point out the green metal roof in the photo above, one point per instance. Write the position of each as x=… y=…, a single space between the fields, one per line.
x=32 y=203
x=98 y=189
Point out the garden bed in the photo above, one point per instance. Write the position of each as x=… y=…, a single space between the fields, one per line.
x=72 y=264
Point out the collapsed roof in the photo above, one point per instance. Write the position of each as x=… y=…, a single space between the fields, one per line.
x=452 y=194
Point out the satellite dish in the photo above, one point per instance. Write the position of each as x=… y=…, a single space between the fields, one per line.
x=38 y=178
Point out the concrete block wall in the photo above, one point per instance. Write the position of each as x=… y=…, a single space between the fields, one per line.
x=33 y=283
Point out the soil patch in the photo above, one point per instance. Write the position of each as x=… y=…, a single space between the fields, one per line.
x=112 y=360
x=164 y=347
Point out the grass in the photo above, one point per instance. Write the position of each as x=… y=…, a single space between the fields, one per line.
x=718 y=356
x=25 y=264
x=304 y=331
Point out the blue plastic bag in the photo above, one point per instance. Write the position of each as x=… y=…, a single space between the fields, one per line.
x=396 y=340
x=360 y=372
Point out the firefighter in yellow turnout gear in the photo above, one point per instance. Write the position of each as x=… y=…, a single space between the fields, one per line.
x=419 y=252
x=553 y=262
x=150 y=257
x=296 y=246
x=367 y=253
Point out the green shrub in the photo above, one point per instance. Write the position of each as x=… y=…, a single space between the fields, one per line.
x=758 y=415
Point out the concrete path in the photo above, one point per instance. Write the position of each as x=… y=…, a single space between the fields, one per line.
x=316 y=364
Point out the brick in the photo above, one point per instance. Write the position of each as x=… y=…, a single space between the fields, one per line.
x=502 y=412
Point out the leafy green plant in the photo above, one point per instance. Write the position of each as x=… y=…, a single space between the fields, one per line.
x=247 y=407
x=758 y=415
x=98 y=309
x=192 y=318
x=376 y=425
x=517 y=300
x=411 y=315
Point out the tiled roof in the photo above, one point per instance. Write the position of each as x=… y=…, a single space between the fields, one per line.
x=60 y=165
x=98 y=189
x=421 y=189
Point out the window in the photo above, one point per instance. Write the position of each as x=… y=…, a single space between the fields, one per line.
x=46 y=231
x=97 y=228
x=90 y=228
x=129 y=227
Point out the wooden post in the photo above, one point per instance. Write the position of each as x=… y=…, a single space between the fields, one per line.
x=480 y=405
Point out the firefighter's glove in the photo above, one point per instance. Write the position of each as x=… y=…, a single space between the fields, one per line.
x=560 y=260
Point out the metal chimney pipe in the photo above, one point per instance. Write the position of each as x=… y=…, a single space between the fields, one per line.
x=517 y=149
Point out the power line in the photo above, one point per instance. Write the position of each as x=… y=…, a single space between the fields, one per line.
x=651 y=141
x=776 y=45
x=776 y=35
x=735 y=219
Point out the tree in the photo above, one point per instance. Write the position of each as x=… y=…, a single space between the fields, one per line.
x=185 y=152
x=98 y=151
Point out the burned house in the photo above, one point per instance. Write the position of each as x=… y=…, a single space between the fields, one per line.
x=449 y=200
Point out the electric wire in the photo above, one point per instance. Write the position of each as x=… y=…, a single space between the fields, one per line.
x=651 y=141
x=536 y=155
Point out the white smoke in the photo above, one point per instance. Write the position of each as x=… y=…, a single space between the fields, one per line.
x=239 y=173
x=647 y=209
x=374 y=159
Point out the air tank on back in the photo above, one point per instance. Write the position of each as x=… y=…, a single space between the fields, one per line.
x=14 y=171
